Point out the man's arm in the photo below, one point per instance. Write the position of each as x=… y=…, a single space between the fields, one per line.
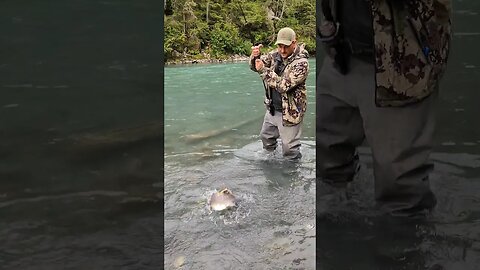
x=266 y=59
x=297 y=75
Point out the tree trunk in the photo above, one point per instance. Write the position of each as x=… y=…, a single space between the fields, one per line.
x=283 y=9
x=208 y=2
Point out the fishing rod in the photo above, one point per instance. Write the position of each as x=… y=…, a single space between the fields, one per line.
x=268 y=91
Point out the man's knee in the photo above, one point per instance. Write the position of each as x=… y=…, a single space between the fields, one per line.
x=269 y=144
x=269 y=136
x=292 y=151
x=337 y=166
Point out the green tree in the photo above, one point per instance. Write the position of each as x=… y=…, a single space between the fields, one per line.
x=225 y=27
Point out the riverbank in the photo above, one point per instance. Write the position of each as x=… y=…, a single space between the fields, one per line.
x=188 y=60
x=195 y=60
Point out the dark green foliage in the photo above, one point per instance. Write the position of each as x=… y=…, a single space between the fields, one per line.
x=225 y=39
x=219 y=28
x=168 y=8
x=174 y=40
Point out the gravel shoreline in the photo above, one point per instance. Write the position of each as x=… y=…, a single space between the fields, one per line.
x=231 y=59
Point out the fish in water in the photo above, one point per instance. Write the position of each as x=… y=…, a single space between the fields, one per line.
x=221 y=200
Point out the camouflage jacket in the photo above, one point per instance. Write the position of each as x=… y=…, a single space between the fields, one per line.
x=290 y=84
x=412 y=40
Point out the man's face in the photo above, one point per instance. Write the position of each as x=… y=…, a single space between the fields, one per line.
x=285 y=51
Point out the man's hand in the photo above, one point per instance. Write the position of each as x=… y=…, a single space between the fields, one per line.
x=256 y=50
x=258 y=64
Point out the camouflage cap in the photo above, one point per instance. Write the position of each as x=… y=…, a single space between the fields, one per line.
x=285 y=36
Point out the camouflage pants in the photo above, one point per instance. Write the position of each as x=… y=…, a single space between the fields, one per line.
x=400 y=138
x=272 y=129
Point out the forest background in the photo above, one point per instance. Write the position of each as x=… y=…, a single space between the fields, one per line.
x=222 y=29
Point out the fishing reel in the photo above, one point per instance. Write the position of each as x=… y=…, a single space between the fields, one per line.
x=269 y=106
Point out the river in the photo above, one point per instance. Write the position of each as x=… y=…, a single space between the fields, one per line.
x=213 y=115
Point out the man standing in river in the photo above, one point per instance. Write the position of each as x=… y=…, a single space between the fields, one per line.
x=284 y=72
x=380 y=83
